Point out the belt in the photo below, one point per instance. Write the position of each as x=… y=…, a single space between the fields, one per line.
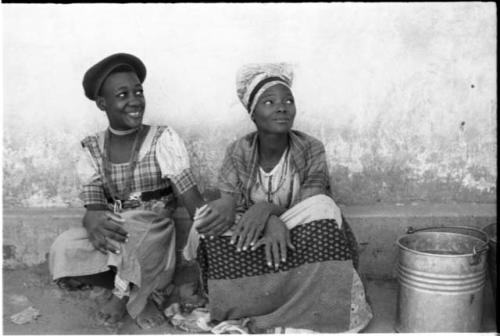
x=136 y=200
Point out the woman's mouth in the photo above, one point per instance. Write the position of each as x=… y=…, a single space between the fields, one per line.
x=282 y=120
x=136 y=114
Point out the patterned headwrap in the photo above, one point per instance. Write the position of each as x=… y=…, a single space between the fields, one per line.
x=253 y=80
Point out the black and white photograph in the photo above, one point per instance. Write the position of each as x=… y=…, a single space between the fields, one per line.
x=249 y=168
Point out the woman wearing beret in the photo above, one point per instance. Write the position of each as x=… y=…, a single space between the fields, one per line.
x=289 y=262
x=132 y=176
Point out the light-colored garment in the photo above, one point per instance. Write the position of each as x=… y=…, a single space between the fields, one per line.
x=280 y=186
x=252 y=80
x=149 y=253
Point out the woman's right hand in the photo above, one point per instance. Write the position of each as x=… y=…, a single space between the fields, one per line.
x=103 y=225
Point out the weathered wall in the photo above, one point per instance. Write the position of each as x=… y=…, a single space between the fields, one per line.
x=402 y=95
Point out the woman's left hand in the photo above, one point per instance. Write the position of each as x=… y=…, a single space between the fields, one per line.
x=252 y=223
x=276 y=240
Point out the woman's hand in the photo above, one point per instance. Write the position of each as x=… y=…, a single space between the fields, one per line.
x=219 y=218
x=276 y=240
x=103 y=225
x=252 y=223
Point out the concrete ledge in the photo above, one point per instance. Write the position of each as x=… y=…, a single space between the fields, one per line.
x=29 y=233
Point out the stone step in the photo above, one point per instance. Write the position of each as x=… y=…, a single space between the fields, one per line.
x=29 y=232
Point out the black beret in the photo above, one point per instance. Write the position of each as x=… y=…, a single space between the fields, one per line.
x=95 y=76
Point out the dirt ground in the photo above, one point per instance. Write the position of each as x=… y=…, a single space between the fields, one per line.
x=64 y=313
x=61 y=311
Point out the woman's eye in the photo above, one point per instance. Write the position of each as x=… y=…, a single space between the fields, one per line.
x=121 y=94
x=289 y=101
x=268 y=102
x=139 y=92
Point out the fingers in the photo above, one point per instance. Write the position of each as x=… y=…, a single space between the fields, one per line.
x=282 y=248
x=215 y=228
x=276 y=254
x=269 y=258
x=115 y=224
x=225 y=225
x=236 y=232
x=115 y=236
x=102 y=245
x=112 y=248
x=206 y=224
x=242 y=237
x=251 y=239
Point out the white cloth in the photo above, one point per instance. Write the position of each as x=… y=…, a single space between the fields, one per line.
x=171 y=154
x=285 y=184
x=250 y=75
x=312 y=208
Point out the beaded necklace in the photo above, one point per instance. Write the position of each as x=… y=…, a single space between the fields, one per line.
x=284 y=167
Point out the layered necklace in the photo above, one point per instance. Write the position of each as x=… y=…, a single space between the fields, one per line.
x=282 y=177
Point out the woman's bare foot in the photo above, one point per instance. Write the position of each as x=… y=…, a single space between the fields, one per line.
x=150 y=317
x=113 y=310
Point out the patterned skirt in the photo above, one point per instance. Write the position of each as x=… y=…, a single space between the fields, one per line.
x=317 y=289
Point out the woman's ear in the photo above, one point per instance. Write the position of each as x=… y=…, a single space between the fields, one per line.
x=101 y=103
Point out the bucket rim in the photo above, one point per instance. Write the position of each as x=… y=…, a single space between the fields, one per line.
x=462 y=255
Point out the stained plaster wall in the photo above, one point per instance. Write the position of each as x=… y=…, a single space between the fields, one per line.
x=402 y=95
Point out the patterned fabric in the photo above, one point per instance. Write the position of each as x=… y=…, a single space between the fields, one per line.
x=253 y=80
x=239 y=169
x=318 y=241
x=147 y=175
x=317 y=288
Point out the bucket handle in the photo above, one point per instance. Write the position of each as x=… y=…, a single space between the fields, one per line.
x=476 y=253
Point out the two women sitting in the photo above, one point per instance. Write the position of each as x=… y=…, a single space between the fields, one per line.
x=274 y=250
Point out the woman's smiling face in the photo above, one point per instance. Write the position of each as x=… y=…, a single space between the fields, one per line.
x=275 y=110
x=122 y=98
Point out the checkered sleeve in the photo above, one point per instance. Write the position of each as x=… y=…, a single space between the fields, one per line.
x=92 y=191
x=173 y=159
x=316 y=175
x=184 y=181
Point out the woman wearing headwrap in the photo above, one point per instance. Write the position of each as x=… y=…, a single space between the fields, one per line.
x=132 y=175
x=290 y=259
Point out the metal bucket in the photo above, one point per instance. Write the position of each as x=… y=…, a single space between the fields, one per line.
x=491 y=231
x=441 y=276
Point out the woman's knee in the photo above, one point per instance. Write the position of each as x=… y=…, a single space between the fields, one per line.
x=65 y=239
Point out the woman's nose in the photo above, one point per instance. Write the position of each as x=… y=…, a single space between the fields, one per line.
x=281 y=107
x=135 y=101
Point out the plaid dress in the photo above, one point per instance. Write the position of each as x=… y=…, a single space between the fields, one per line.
x=147 y=260
x=147 y=175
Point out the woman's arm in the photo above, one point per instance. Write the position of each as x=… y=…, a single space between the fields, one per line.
x=315 y=176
